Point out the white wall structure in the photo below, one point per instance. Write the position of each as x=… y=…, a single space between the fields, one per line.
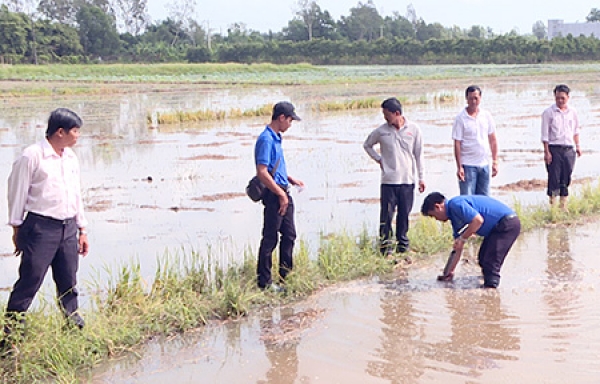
x=560 y=28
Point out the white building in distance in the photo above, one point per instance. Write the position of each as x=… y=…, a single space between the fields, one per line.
x=558 y=28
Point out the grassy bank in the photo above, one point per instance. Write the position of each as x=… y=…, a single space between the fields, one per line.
x=191 y=288
x=265 y=74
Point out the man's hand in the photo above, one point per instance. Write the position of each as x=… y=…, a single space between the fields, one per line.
x=547 y=157
x=460 y=173
x=15 y=235
x=84 y=245
x=447 y=277
x=283 y=204
x=296 y=182
x=494 y=168
x=421 y=186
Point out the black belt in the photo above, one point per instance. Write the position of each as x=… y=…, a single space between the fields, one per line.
x=52 y=219
x=505 y=219
x=561 y=147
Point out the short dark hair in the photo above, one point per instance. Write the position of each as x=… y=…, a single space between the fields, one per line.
x=472 y=88
x=561 y=88
x=430 y=201
x=392 y=104
x=62 y=118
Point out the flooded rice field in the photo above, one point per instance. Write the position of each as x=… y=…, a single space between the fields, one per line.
x=540 y=326
x=175 y=188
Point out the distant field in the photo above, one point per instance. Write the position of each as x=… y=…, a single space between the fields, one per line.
x=269 y=73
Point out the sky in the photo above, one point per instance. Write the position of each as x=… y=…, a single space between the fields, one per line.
x=501 y=15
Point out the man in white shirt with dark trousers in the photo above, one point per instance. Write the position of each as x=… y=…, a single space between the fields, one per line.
x=46 y=212
x=560 y=137
x=401 y=163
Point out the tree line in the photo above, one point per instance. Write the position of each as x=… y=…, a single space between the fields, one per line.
x=83 y=31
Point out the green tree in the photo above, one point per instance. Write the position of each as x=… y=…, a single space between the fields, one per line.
x=97 y=31
x=477 y=32
x=198 y=55
x=308 y=11
x=166 y=32
x=310 y=22
x=539 y=30
x=363 y=23
x=295 y=30
x=13 y=34
x=398 y=26
x=594 y=15
x=57 y=41
x=429 y=31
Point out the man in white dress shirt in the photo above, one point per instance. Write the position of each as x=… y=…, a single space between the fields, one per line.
x=46 y=212
x=560 y=137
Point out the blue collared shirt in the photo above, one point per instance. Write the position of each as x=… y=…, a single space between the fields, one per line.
x=461 y=210
x=266 y=152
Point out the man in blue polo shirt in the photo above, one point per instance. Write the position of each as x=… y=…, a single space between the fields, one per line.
x=494 y=221
x=279 y=207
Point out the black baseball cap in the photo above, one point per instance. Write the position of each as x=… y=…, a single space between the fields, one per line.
x=286 y=109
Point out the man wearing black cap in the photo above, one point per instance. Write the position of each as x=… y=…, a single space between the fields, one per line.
x=279 y=207
x=401 y=163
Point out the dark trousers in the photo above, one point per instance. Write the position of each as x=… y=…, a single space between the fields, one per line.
x=394 y=196
x=273 y=225
x=495 y=247
x=560 y=169
x=45 y=243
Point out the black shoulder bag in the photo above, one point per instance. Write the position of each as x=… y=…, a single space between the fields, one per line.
x=256 y=189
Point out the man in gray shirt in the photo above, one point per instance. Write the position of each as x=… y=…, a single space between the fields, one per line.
x=400 y=158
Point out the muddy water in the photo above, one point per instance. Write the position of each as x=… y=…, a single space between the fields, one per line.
x=174 y=188
x=540 y=326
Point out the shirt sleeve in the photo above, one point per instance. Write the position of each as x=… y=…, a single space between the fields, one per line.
x=262 y=155
x=491 y=124
x=418 y=153
x=371 y=140
x=462 y=214
x=18 y=189
x=457 y=129
x=546 y=119
x=80 y=218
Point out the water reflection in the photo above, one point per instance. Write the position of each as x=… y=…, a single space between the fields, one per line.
x=281 y=337
x=560 y=291
x=414 y=343
x=482 y=333
x=402 y=342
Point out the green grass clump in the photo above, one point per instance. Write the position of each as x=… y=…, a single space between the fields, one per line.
x=342 y=257
x=583 y=204
x=354 y=104
x=177 y=117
